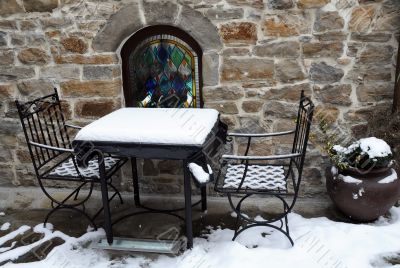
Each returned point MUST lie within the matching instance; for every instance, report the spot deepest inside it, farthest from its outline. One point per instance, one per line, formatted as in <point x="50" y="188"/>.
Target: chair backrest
<point x="43" y="122"/>
<point x="303" y="124"/>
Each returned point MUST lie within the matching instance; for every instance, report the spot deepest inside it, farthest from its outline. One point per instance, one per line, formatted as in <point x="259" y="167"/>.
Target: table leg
<point x="135" y="181"/>
<point x="188" y="205"/>
<point x="106" y="204"/>
<point x="203" y="190"/>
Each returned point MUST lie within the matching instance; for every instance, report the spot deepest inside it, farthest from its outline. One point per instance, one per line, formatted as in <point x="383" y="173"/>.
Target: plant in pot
<point x="361" y="182"/>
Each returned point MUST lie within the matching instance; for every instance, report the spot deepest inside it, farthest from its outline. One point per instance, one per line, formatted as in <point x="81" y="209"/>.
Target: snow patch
<point x="5" y="226"/>
<point x="319" y="242"/>
<point x="375" y="147"/>
<point x="349" y="179"/>
<point x="391" y="178"/>
<point x="359" y="194"/>
<point x="198" y="173"/>
<point x="21" y="230"/>
<point x="2" y="214"/>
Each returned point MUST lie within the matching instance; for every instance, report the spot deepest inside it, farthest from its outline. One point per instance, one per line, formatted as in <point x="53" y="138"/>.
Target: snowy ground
<point x="319" y="242"/>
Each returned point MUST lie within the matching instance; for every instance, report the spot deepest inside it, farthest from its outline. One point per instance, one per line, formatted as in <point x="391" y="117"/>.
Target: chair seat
<point x="258" y="177"/>
<point x="67" y="168"/>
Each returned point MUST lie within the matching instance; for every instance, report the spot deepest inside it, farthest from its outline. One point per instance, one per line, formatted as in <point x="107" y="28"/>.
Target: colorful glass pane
<point x="163" y="72"/>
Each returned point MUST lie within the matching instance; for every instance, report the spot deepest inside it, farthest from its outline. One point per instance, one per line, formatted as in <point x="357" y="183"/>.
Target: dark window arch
<point x="161" y="67"/>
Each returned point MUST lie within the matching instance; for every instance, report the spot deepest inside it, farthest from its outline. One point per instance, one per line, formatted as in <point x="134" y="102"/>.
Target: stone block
<point x="6" y="175"/>
<point x="6" y="57"/>
<point x="40" y="5"/>
<point x="239" y="33"/>
<point x="9" y="7"/>
<point x="225" y="13"/>
<point x="150" y="168"/>
<point x="74" y="44"/>
<point x="13" y="73"/>
<point x="322" y="49"/>
<point x="52" y="23"/>
<point x="8" y="25"/>
<point x="279" y="49"/>
<point x="3" y="39"/>
<point x="372" y="54"/>
<point x="324" y="73"/>
<point x="6" y="155"/>
<point x="287" y="24"/>
<point x="170" y="167"/>
<point x="28" y="25"/>
<point x="280" y="109"/>
<point x="375" y="92"/>
<point x="287" y="71"/>
<point x="210" y="69"/>
<point x="76" y="89"/>
<point x="223" y="107"/>
<point x="252" y="3"/>
<point x="6" y="91"/>
<point x="280" y="4"/>
<point x="371" y="37"/>
<point x="17" y="40"/>
<point x="326" y="113"/>
<point x="289" y="93"/>
<point x="33" y="56"/>
<point x="94" y="108"/>
<point x="388" y="17"/>
<point x="312" y="3"/>
<point x="35" y="88"/>
<point x="328" y="21"/>
<point x="160" y="12"/>
<point x="235" y="51"/>
<point x="93" y="72"/>
<point x="60" y="72"/>
<point x="252" y="106"/>
<point x="370" y="73"/>
<point x="361" y="18"/>
<point x="84" y="59"/>
<point x="247" y="69"/>
<point x="222" y="93"/>
<point x="334" y="94"/>
<point x="10" y="127"/>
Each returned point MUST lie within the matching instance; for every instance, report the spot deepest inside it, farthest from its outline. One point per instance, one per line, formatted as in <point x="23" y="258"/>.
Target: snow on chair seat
<point x="258" y="177"/>
<point x="67" y="168"/>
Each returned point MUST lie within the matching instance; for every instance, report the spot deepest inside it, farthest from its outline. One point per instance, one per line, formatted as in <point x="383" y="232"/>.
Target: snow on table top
<point x="152" y="126"/>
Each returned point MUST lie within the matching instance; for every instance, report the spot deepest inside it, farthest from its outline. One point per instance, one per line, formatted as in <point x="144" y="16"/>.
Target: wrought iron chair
<point x="48" y="139"/>
<point x="275" y="175"/>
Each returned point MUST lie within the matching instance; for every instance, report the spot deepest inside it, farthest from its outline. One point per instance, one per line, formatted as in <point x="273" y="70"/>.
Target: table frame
<point x="133" y="151"/>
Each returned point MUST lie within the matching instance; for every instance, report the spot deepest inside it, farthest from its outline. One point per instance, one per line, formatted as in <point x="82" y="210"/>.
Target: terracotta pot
<point x="363" y="197"/>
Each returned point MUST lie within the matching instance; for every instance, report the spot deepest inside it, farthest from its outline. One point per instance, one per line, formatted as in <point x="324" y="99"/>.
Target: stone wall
<point x="258" y="56"/>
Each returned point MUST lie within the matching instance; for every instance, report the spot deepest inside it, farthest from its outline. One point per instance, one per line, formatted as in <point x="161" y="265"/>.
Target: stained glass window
<point x="164" y="73"/>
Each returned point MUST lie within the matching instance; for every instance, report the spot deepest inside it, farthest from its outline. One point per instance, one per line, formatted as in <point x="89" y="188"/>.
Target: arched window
<point x="162" y="68"/>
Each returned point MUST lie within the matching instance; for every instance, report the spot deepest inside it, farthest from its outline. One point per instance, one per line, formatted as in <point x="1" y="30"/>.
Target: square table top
<point x="164" y="126"/>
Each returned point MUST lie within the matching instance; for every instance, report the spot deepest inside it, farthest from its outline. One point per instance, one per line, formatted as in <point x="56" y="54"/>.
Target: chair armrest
<point x="259" y="135"/>
<point x="254" y="157"/>
<point x="73" y="126"/>
<point x="65" y="150"/>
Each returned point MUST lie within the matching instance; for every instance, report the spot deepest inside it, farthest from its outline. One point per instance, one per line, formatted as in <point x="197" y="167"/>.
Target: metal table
<point x="127" y="138"/>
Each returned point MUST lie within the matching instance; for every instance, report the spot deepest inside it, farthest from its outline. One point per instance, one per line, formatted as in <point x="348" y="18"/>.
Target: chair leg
<point x="253" y="223"/>
<point x="135" y="182"/>
<point x="62" y="205"/>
